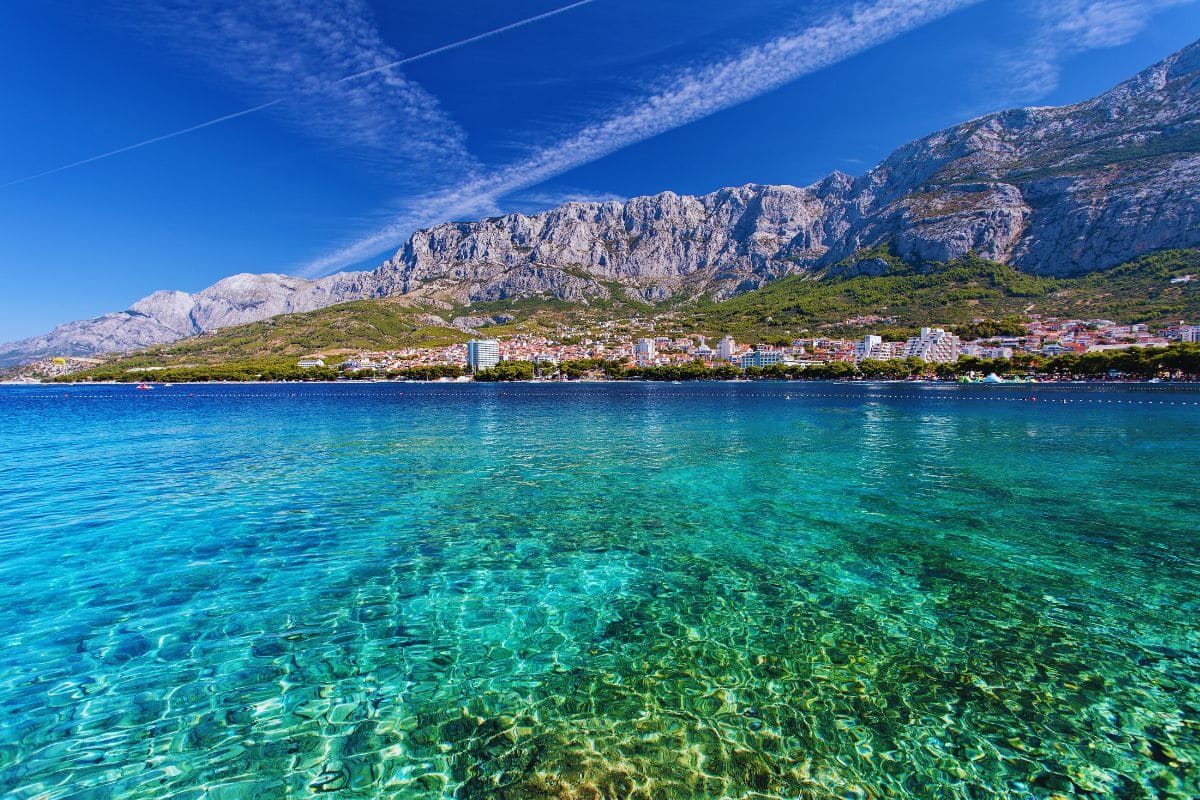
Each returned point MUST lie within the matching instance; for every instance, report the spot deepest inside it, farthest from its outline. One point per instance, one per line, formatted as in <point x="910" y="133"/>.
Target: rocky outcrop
<point x="650" y="248"/>
<point x="166" y="316"/>
<point x="470" y="323"/>
<point x="1054" y="191"/>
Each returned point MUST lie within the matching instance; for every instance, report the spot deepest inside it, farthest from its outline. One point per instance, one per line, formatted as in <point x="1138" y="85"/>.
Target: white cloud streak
<point x="299" y="50"/>
<point x="244" y="39"/>
<point x="1066" y="28"/>
<point x="684" y="97"/>
<point x="296" y="51"/>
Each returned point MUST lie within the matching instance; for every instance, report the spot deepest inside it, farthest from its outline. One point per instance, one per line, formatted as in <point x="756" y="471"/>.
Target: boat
<point x="145" y="387"/>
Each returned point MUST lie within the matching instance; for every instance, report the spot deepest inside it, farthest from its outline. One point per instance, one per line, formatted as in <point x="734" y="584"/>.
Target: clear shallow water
<point x="599" y="591"/>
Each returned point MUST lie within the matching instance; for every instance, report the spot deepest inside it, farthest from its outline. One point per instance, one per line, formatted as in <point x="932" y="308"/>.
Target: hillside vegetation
<point x="955" y="293"/>
<point x="347" y="327"/>
<point x="874" y="291"/>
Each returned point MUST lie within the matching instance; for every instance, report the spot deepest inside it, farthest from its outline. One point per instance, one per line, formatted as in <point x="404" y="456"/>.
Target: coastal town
<point x="1048" y="337"/>
<point x="612" y="344"/>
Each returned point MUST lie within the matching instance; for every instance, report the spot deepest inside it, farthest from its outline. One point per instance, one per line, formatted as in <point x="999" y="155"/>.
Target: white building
<point x="309" y="363"/>
<point x="482" y="354"/>
<point x="725" y="348"/>
<point x="985" y="351"/>
<point x="875" y="348"/>
<point x="761" y="358"/>
<point x="1189" y="333"/>
<point x="356" y="364"/>
<point x="934" y="345"/>
<point x="645" y="351"/>
<point x="863" y="349"/>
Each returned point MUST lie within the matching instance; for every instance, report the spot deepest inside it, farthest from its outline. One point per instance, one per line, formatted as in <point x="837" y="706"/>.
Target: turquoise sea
<point x="600" y="591"/>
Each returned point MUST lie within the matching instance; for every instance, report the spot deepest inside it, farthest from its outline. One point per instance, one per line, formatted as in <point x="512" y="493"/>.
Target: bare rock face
<point x="472" y="322"/>
<point x="1054" y="191"/>
<point x="166" y="316"/>
<point x="119" y="332"/>
<point x="652" y="247"/>
<point x="172" y="310"/>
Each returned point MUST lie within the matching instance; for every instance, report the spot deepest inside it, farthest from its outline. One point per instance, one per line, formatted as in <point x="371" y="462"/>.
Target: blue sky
<point x="606" y="99"/>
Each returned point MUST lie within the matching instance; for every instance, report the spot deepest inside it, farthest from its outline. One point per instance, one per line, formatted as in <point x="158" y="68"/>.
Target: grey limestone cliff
<point x="1053" y="191"/>
<point x="166" y="316"/>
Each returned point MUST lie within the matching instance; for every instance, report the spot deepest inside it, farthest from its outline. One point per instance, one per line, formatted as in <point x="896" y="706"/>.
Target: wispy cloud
<point x="358" y="76"/>
<point x="1066" y="28"/>
<point x="302" y="50"/>
<point x="682" y="97"/>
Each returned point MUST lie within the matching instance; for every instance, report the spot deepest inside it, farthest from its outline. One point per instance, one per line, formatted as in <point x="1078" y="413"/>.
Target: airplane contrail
<point x="408" y="60"/>
<point x="471" y="40"/>
<point x="127" y="148"/>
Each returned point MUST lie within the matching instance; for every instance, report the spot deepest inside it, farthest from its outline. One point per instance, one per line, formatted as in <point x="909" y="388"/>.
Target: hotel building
<point x="482" y="354"/>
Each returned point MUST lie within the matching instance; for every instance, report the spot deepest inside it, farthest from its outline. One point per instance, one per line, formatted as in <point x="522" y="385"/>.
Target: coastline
<point x="592" y="381"/>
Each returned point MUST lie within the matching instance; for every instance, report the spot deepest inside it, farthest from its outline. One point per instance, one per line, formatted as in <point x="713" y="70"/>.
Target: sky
<point x="166" y="144"/>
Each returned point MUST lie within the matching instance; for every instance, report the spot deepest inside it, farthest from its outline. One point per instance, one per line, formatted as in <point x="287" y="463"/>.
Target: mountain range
<point x="1051" y="191"/>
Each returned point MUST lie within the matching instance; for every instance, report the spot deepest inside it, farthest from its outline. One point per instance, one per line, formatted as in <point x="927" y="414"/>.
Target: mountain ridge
<point x="1051" y="190"/>
<point x="874" y="293"/>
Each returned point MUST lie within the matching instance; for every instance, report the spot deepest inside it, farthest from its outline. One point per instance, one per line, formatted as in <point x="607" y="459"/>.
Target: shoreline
<point x="767" y="381"/>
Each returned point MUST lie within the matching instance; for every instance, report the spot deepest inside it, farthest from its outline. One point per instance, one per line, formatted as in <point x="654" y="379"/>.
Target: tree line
<point x="1178" y="361"/>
